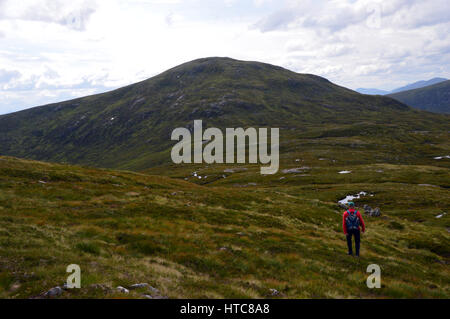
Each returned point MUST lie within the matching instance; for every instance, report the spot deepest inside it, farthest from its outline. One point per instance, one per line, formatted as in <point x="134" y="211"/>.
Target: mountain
<point x="418" y="85"/>
<point x="371" y="91"/>
<point x="433" y="98"/>
<point x="130" y="128"/>
<point x="411" y="86"/>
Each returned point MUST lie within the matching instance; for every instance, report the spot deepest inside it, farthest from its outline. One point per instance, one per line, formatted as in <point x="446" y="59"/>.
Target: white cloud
<point x="46" y="55"/>
<point x="73" y="14"/>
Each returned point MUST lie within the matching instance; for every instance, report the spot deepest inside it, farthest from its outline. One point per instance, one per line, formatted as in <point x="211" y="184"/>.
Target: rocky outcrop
<point x="373" y="212"/>
<point x="134" y="291"/>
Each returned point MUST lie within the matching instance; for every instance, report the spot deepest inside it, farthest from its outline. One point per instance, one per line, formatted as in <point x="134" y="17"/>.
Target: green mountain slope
<point x="130" y="127"/>
<point x="433" y="98"/>
<point x="419" y="84"/>
<point x="221" y="239"/>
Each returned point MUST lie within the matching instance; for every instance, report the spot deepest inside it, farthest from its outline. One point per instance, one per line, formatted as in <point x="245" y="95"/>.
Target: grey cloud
<point x="169" y="19"/>
<point x="7" y="76"/>
<point x="312" y="14"/>
<point x="49" y="80"/>
<point x="35" y="90"/>
<point x="275" y="21"/>
<point x="70" y="14"/>
<point x="78" y="19"/>
<point x="424" y="13"/>
<point x="320" y="14"/>
<point x="16" y="101"/>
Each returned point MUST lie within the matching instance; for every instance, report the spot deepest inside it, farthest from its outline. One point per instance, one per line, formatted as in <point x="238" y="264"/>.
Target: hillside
<point x="418" y="85"/>
<point x="130" y="128"/>
<point x="434" y="98"/>
<point x="411" y="86"/>
<point x="274" y="238"/>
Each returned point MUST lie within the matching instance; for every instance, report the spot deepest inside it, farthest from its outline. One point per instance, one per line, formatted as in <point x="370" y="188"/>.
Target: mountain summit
<point x="130" y="127"/>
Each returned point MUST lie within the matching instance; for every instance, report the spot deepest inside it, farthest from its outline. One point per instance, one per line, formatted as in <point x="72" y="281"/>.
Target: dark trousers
<point x="356" y="234"/>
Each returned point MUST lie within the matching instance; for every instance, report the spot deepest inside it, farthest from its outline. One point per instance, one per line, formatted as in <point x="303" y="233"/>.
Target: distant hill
<point x="372" y="91"/>
<point x="130" y="128"/>
<point x="433" y="98"/>
<point x="411" y="86"/>
<point x="418" y="85"/>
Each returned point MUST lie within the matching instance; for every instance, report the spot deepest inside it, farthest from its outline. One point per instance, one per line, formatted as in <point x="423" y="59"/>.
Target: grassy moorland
<point x="236" y="236"/>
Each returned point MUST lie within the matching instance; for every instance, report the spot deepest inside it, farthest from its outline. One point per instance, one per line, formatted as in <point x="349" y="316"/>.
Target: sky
<point x="55" y="50"/>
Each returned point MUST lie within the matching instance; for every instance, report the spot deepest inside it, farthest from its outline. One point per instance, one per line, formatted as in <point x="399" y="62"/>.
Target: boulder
<point x="372" y="212"/>
<point x="367" y="209"/>
<point x="122" y="289"/>
<point x="153" y="290"/>
<point x="274" y="292"/>
<point x="54" y="292"/>
<point x="138" y="286"/>
<point x="375" y="212"/>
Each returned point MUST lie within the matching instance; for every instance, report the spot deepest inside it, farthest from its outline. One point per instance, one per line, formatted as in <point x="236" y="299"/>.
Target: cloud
<point x="333" y="16"/>
<point x="19" y="92"/>
<point x="276" y="21"/>
<point x="6" y="76"/>
<point x="74" y="14"/>
<point x="340" y="14"/>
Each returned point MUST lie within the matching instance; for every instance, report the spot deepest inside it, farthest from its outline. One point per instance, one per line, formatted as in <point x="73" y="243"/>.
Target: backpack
<point x="352" y="220"/>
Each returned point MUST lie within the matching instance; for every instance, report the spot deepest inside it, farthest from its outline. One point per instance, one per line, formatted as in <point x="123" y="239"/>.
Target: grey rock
<point x="160" y="297"/>
<point x="138" y="286"/>
<point x="122" y="289"/>
<point x="274" y="292"/>
<point x="54" y="292"/>
<point x="153" y="290"/>
<point x="295" y="170"/>
<point x="375" y="212"/>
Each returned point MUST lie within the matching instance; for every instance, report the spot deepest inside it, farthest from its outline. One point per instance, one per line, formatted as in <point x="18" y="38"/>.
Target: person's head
<point x="351" y="204"/>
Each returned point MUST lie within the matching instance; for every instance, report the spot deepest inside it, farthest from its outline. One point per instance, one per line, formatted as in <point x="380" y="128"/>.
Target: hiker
<point x="351" y="222"/>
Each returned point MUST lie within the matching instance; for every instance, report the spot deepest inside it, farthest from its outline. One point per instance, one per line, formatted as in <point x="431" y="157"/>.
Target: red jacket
<point x="358" y="214"/>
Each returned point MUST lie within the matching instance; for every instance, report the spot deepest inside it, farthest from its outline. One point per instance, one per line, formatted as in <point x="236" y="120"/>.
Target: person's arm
<point x="361" y="220"/>
<point x="344" y="226"/>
